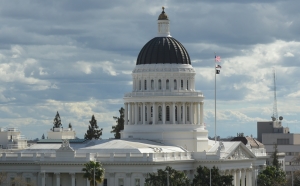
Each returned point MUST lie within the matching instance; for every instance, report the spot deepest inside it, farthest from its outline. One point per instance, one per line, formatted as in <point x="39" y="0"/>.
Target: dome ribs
<point x="163" y="50"/>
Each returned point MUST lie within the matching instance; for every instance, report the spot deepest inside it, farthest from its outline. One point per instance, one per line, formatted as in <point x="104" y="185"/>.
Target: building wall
<point x="264" y="127"/>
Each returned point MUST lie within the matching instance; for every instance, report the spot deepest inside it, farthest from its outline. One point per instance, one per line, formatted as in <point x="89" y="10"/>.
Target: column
<point x="72" y="179"/>
<point x="126" y="113"/>
<point x="183" y="113"/>
<point x="243" y="174"/>
<point x="154" y="114"/>
<point x="233" y="173"/>
<point x="179" y="113"/>
<point x="57" y="175"/>
<point x="43" y="178"/>
<point x="87" y="182"/>
<point x="249" y="177"/>
<point x="128" y="176"/>
<point x="201" y="113"/>
<point x="173" y="113"/>
<point x="198" y="114"/>
<point x="111" y="180"/>
<point x="192" y="113"/>
<point x="136" y="113"/>
<point x="237" y="181"/>
<point x="144" y="114"/>
<point x="130" y="114"/>
<point x="164" y="113"/>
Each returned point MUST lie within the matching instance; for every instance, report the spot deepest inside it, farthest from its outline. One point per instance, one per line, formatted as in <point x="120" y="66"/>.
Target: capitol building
<point x="164" y="126"/>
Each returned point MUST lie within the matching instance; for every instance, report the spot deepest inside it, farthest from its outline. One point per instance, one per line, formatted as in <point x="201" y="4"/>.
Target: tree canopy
<point x="120" y="124"/>
<point x="176" y="178"/>
<point x="93" y="131"/>
<point x="275" y="161"/>
<point x="57" y="121"/>
<point x="202" y="177"/>
<point x="93" y="168"/>
<point x="271" y="176"/>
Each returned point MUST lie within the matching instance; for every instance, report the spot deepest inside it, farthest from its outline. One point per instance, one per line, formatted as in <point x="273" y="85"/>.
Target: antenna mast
<point x="275" y="114"/>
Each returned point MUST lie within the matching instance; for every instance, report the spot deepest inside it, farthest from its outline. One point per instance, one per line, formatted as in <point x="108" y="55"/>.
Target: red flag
<point x="217" y="59"/>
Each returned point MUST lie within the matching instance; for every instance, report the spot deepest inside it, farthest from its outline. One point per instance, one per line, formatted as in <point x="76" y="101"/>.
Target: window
<point x="145" y="113"/>
<point x="181" y="84"/>
<point x="12" y="181"/>
<point x="188" y="113"/>
<point x="105" y="182"/>
<point x="137" y="182"/>
<point x="175" y="84"/>
<point x="121" y="182"/>
<point x="187" y="84"/>
<point x="159" y="84"/>
<point x="283" y="141"/>
<point x="28" y="181"/>
<point x="175" y="113"/>
<point x="168" y="113"/>
<point x="181" y="113"/>
<point x="152" y="84"/>
<point x="145" y="84"/>
<point x="140" y="85"/>
<point x="159" y="113"/>
<point x="167" y="84"/>
<point x="140" y="114"/>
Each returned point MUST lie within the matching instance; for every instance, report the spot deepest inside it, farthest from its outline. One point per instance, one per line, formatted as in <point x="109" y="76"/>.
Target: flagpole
<point x="215" y="100"/>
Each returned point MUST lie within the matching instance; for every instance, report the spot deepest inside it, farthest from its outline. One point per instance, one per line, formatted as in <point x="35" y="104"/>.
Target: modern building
<point x="271" y="133"/>
<point x="164" y="126"/>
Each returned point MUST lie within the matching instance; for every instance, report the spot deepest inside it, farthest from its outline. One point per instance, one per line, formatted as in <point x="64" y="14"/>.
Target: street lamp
<point x="168" y="183"/>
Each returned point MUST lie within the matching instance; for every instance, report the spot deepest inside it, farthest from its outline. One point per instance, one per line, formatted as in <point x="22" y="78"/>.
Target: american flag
<point x="217" y="59"/>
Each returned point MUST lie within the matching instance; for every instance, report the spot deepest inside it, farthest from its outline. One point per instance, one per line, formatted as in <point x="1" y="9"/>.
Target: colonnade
<point x="163" y="113"/>
<point x="242" y="177"/>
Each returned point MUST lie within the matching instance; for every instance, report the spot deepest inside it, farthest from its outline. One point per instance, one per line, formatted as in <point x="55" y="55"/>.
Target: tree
<point x="120" y="124"/>
<point x="43" y="136"/>
<point x="70" y="126"/>
<point x="275" y="161"/>
<point x="93" y="132"/>
<point x="202" y="177"/>
<point x="271" y="176"/>
<point x="94" y="169"/>
<point x="57" y="121"/>
<point x="176" y="178"/>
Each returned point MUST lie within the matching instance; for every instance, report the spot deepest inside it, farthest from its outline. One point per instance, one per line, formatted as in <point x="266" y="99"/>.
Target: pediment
<point x="239" y="153"/>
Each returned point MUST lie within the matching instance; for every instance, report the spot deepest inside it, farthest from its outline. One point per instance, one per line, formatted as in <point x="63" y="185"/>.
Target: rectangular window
<point x="140" y="114"/>
<point x="137" y="182"/>
<point x="145" y="113"/>
<point x="121" y="182"/>
<point x="187" y="84"/>
<point x="140" y="85"/>
<point x="145" y="84"/>
<point x="188" y="113"/>
<point x="28" y="181"/>
<point x="105" y="182"/>
<point x="283" y="141"/>
<point x="181" y="84"/>
<point x="12" y="181"/>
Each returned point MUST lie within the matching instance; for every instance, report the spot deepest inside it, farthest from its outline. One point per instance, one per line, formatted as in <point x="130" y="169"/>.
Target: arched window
<point x="187" y="113"/>
<point x="187" y="84"/>
<point x="145" y="84"/>
<point x="140" y="114"/>
<point x="175" y="84"/>
<point x="152" y="84"/>
<point x="159" y="113"/>
<point x="175" y="113"/>
<point x="145" y="113"/>
<point x="181" y="84"/>
<point x="167" y="84"/>
<point x="140" y="85"/>
<point x="168" y="113"/>
<point x="159" y="84"/>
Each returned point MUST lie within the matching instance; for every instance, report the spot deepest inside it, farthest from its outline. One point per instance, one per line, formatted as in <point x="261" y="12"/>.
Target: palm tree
<point x="93" y="170"/>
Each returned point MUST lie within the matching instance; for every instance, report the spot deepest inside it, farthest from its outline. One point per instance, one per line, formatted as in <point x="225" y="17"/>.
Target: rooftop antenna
<point x="275" y="114"/>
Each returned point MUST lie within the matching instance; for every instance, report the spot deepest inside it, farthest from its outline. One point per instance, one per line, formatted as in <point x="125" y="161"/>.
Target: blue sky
<point x="76" y="57"/>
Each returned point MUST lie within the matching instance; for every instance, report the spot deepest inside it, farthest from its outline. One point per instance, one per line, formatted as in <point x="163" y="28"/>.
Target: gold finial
<point x="163" y="9"/>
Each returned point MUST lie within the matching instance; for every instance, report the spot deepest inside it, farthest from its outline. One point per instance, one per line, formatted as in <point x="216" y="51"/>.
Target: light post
<point x="210" y="176"/>
<point x="168" y="183"/>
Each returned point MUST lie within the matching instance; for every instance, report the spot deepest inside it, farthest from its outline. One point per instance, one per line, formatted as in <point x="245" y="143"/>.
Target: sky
<point x="76" y="57"/>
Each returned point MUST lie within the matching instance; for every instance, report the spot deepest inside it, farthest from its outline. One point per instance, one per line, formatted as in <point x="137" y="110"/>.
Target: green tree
<point x="93" y="132"/>
<point x="94" y="169"/>
<point x="70" y="126"/>
<point x="271" y="176"/>
<point x="120" y="124"/>
<point x="202" y="177"/>
<point x="176" y="178"/>
<point x="43" y="136"/>
<point x="275" y="161"/>
<point x="57" y="121"/>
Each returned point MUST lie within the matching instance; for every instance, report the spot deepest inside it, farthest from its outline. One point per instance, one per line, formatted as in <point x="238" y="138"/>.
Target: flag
<point x="217" y="71"/>
<point x="218" y="66"/>
<point x="217" y="59"/>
